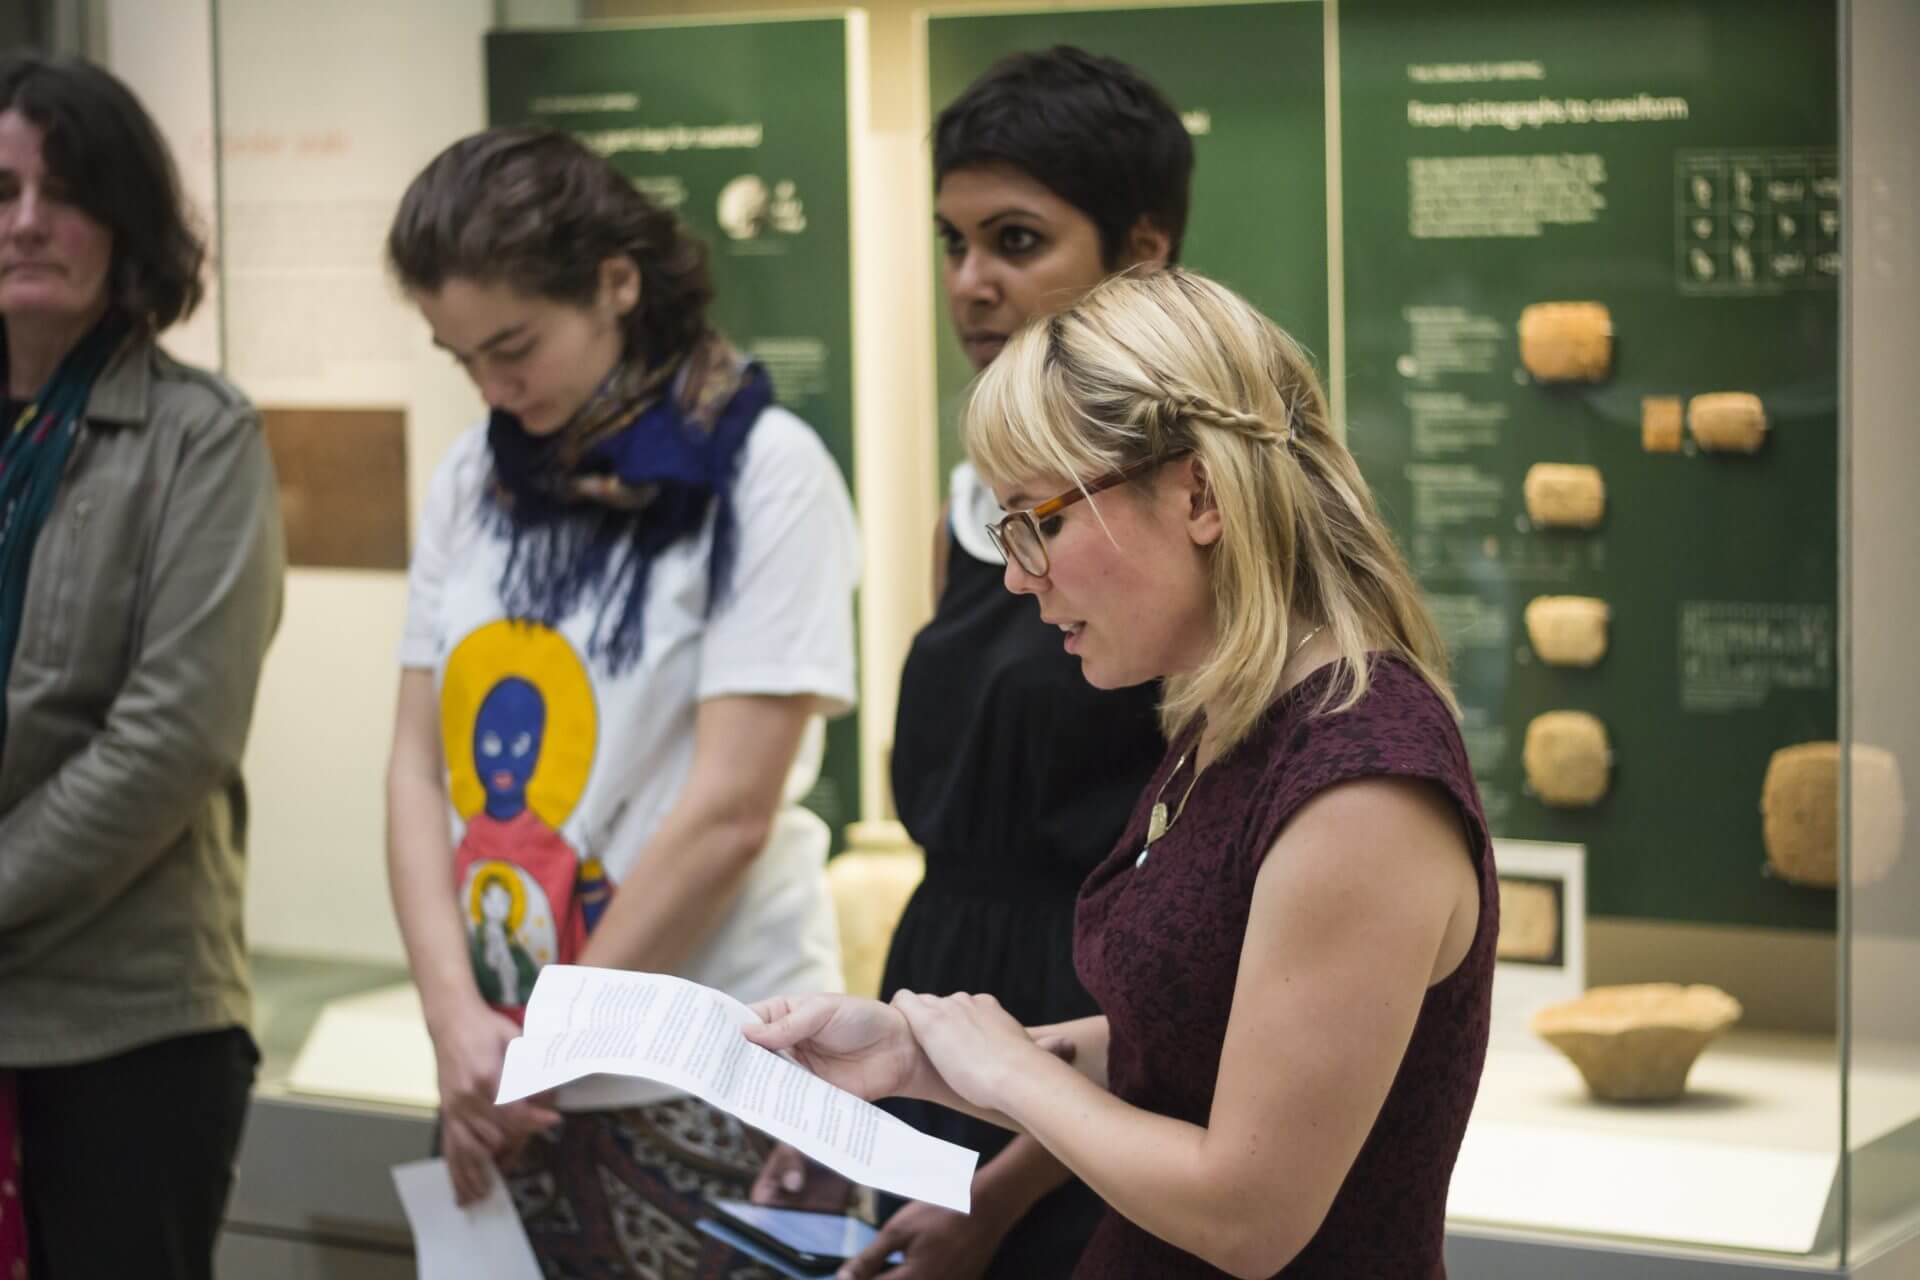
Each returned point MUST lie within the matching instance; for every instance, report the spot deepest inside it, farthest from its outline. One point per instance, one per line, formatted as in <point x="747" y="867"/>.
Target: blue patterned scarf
<point x="33" y="457"/>
<point x="587" y="509"/>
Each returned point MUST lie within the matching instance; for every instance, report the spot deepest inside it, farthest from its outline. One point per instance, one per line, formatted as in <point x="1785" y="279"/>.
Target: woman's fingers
<point x="787" y="1023"/>
<point x="918" y="1010"/>
<point x="772" y="1009"/>
<point x="872" y="1260"/>
<point x="519" y="1122"/>
<point x="1061" y="1047"/>
<point x="468" y="1163"/>
<point x="483" y="1129"/>
<point x="782" y="1177"/>
<point x="539" y="1111"/>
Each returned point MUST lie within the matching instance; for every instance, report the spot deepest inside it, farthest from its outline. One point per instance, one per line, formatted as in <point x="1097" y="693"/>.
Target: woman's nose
<point x="495" y="388"/>
<point x="1017" y="580"/>
<point x="28" y="213"/>
<point x="974" y="277"/>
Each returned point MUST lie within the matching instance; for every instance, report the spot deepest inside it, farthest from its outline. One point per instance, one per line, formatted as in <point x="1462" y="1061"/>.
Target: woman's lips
<point x="983" y="347"/>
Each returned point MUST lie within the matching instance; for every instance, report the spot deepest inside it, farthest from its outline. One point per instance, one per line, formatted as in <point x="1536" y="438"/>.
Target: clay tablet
<point x="1568" y="631"/>
<point x="1727" y="422"/>
<point x="1800" y="813"/>
<point x="1661" y="424"/>
<point x="1529" y="921"/>
<point x="1567" y="758"/>
<point x="1564" y="495"/>
<point x="1566" y="341"/>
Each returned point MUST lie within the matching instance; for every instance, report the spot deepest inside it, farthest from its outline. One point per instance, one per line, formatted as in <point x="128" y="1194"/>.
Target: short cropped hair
<point x="1091" y="129"/>
<point x="539" y="211"/>
<point x="101" y="143"/>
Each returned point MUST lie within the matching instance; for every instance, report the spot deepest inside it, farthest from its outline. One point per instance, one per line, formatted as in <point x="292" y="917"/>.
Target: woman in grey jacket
<point x="140" y="579"/>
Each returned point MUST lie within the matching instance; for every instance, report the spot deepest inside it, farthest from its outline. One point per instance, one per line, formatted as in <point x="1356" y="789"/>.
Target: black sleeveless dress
<point x="1015" y="776"/>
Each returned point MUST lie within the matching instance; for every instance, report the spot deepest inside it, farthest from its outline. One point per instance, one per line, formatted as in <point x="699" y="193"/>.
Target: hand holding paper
<point x="862" y="1046"/>
<point x="583" y="1021"/>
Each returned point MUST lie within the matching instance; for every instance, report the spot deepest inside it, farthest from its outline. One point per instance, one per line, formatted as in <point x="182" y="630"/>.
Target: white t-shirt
<point x="591" y="761"/>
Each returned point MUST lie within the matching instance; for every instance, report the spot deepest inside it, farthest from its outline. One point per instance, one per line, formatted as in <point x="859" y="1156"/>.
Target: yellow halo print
<point x="528" y="923"/>
<point x="485" y="876"/>
<point x="544" y="659"/>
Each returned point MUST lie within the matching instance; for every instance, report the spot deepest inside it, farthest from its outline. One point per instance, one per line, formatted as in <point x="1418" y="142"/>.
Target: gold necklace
<point x="1159" y="822"/>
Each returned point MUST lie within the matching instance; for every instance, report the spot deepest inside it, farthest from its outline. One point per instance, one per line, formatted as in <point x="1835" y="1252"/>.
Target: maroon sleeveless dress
<point x="1158" y="946"/>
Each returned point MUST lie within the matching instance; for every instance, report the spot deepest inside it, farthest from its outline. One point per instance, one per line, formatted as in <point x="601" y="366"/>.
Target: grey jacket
<point x="154" y="589"/>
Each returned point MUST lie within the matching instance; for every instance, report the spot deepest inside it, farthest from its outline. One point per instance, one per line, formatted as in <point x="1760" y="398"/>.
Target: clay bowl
<point x="1637" y="1043"/>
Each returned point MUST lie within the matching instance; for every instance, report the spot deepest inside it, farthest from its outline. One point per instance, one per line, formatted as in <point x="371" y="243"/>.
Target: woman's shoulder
<point x="1396" y="690"/>
<point x="783" y="454"/>
<point x="460" y="476"/>
<point x="1401" y="727"/>
<point x="782" y="437"/>
<point x="466" y="461"/>
<point x="1399" y="724"/>
<point x="187" y="395"/>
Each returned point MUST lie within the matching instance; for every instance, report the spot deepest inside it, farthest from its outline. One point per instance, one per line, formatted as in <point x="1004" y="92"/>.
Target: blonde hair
<point x="1157" y="363"/>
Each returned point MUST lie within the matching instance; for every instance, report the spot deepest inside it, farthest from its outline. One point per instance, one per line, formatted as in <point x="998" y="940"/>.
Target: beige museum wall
<point x="325" y="112"/>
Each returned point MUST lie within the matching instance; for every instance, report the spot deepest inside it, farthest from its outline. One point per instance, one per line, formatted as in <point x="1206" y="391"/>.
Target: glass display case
<point x="1579" y="277"/>
<point x="1616" y="305"/>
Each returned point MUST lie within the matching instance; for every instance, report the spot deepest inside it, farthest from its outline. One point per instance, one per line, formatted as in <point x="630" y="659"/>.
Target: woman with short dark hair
<point x="140" y="579"/>
<point x="629" y="604"/>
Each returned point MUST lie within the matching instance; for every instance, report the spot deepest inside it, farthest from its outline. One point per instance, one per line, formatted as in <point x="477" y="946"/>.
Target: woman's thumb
<point x="785" y="1024"/>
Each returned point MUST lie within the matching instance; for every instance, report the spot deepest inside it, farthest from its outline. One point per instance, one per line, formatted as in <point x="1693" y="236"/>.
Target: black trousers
<point x="126" y="1163"/>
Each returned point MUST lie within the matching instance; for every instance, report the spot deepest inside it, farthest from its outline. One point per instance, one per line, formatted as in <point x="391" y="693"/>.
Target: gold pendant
<point x="1157" y="823"/>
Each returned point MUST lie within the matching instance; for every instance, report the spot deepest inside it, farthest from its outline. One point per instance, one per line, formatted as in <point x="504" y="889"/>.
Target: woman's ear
<point x="1203" y="513"/>
<point x="620" y="284"/>
<point x="1147" y="245"/>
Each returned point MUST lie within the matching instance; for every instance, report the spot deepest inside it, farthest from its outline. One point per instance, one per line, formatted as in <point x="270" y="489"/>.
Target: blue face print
<point x="506" y="744"/>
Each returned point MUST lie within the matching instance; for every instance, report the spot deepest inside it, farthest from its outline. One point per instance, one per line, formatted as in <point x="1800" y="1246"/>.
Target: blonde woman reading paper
<point x="1053" y="170"/>
<point x="1292" y="944"/>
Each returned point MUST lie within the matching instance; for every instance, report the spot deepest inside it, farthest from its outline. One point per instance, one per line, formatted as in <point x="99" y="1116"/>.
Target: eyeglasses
<point x="1019" y="536"/>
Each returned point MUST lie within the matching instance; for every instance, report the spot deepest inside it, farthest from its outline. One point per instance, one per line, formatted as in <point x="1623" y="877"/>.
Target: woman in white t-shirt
<point x="630" y="604"/>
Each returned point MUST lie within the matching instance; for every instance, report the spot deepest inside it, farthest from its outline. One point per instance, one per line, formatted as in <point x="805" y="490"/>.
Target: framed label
<point x="1542" y="952"/>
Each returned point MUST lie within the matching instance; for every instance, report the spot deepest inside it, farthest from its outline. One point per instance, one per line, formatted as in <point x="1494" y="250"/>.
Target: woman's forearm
<point x="420" y="856"/>
<point x="691" y="869"/>
<point x="1089" y="1058"/>
<point x="1008" y="1186"/>
<point x="1168" y="1177"/>
<point x="420" y="878"/>
<point x="1088" y="1036"/>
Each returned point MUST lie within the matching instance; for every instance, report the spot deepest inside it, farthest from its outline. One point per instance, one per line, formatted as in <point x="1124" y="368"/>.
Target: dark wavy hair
<point x="537" y="210"/>
<point x="1090" y="129"/>
<point x="100" y="142"/>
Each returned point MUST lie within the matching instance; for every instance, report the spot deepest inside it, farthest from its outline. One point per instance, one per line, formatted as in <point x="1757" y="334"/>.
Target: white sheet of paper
<point x="483" y="1241"/>
<point x="581" y="1021"/>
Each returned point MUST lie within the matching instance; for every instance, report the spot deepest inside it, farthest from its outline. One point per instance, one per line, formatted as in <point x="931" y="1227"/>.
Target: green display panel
<point x="1676" y="161"/>
<point x="1250" y="81"/>
<point x="742" y="128"/>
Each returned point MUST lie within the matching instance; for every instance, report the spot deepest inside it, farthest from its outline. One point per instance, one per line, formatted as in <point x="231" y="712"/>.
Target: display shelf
<point x="1747" y="1159"/>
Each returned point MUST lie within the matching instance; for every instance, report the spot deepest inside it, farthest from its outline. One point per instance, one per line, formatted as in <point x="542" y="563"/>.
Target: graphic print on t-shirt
<point x="519" y="730"/>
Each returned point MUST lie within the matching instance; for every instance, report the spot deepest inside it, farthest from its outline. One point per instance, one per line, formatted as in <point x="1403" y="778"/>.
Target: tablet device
<point x="820" y="1241"/>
